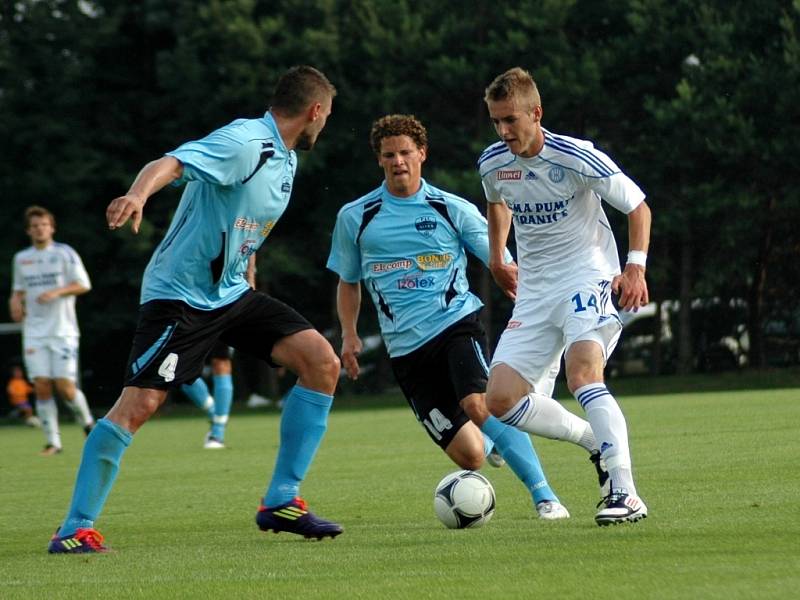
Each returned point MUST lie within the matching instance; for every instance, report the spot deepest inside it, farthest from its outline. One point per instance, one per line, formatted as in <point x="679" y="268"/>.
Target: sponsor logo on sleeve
<point x="513" y="324"/>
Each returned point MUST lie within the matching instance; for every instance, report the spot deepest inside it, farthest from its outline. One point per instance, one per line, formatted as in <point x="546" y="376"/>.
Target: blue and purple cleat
<point x="83" y="541"/>
<point x="294" y="517"/>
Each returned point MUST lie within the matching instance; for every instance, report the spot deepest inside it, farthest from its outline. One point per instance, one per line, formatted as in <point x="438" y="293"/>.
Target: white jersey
<point x="37" y="271"/>
<point x="561" y="231"/>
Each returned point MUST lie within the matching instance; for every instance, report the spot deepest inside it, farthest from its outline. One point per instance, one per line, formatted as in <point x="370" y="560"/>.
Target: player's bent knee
<point x="471" y="462"/>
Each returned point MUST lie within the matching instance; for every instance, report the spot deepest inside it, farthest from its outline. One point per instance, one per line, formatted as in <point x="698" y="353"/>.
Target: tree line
<point x="697" y="100"/>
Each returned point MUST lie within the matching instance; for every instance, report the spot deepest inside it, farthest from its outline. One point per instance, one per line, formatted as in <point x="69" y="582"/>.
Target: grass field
<point x="718" y="470"/>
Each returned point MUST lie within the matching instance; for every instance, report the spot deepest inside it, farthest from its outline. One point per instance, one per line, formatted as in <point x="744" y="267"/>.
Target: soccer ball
<point x="464" y="499"/>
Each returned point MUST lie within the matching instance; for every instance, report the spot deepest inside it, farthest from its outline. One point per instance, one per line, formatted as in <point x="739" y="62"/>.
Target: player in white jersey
<point x="550" y="186"/>
<point x="47" y="277"/>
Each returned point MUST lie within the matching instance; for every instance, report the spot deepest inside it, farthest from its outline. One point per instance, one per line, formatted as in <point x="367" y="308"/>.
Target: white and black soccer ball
<point x="464" y="499"/>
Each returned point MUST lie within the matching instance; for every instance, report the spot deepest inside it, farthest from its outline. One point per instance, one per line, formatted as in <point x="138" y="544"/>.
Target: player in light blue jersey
<point x="407" y="240"/>
<point x="194" y="293"/>
<point x="551" y="186"/>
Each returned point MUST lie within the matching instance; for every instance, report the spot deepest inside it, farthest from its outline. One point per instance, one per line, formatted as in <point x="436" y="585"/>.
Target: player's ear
<point x="537" y="113"/>
<point x="423" y="153"/>
<point x="314" y="111"/>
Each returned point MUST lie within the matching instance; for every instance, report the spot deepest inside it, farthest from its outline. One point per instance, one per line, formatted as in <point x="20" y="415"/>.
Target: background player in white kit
<point x="550" y="186"/>
<point x="47" y="277"/>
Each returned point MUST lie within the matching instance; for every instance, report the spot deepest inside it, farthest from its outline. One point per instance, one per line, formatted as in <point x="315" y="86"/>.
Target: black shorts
<point x="221" y="350"/>
<point x="438" y="375"/>
<point x="173" y="339"/>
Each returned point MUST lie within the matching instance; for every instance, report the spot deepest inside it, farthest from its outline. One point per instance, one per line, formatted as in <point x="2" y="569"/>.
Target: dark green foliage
<point x="697" y="101"/>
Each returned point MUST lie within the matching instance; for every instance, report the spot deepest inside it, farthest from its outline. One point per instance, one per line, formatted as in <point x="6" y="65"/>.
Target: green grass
<point x="717" y="470"/>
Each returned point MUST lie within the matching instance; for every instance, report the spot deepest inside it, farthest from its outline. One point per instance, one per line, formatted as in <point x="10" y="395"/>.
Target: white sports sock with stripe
<point x="611" y="431"/>
<point x="541" y="415"/>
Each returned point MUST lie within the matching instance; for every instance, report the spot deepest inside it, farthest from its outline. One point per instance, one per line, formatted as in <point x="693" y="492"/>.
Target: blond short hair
<point x="516" y="85"/>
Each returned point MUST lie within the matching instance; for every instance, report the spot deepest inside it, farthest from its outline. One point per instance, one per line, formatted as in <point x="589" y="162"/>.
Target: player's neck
<point x="290" y="129"/>
<point x="536" y="145"/>
<point x="405" y="191"/>
<point x="42" y="245"/>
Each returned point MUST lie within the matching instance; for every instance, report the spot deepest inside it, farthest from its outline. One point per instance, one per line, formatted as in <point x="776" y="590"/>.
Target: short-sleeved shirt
<point x="238" y="183"/>
<point x="40" y="270"/>
<point x="561" y="230"/>
<point x="410" y="253"/>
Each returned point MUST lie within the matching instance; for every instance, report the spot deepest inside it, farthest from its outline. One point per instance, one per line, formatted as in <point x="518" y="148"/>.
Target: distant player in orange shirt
<point x="19" y="392"/>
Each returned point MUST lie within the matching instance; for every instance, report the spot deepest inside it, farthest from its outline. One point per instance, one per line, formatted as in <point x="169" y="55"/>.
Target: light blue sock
<point x="516" y="447"/>
<point x="488" y="444"/>
<point x="303" y="423"/>
<point x="223" y="397"/>
<point x="99" y="465"/>
<point x="197" y="392"/>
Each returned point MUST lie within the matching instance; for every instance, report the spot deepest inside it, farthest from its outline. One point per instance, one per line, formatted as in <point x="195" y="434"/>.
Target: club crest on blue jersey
<point x="425" y="225"/>
<point x="556" y="174"/>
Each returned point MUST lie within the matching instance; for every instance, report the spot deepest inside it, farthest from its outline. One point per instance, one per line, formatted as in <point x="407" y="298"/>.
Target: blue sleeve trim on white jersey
<point x="500" y="166"/>
<point x="492" y="148"/>
<point x="583" y="154"/>
<point x="489" y="153"/>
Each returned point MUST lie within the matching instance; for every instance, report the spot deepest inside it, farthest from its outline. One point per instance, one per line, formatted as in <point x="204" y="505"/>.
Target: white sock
<point x="611" y="430"/>
<point x="541" y="415"/>
<point x="48" y="415"/>
<point x="80" y="408"/>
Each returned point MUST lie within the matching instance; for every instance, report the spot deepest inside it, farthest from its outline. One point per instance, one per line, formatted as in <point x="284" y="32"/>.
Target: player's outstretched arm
<point x="505" y="274"/>
<point x="348" y="304"/>
<point x="153" y="176"/>
<point x="631" y="285"/>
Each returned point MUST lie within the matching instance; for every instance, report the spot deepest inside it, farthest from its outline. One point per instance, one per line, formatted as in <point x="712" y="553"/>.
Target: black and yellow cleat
<point x="294" y="517"/>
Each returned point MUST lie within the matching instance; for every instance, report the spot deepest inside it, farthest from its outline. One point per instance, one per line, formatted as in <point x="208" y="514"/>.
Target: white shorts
<point x="540" y="330"/>
<point x="52" y="357"/>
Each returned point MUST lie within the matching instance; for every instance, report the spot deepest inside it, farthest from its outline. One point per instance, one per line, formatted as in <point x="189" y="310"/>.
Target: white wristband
<point x="637" y="257"/>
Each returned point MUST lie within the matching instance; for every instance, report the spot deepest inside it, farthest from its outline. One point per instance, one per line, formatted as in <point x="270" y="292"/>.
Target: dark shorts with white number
<point x="438" y="375"/>
<point x="173" y="339"/>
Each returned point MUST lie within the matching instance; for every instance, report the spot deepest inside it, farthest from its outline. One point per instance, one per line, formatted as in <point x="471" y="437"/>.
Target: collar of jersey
<point x="420" y="194"/>
<point x="270" y="121"/>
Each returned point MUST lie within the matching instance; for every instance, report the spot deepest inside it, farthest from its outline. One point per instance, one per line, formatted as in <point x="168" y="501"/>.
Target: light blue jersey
<point x="410" y="252"/>
<point x="238" y="182"/>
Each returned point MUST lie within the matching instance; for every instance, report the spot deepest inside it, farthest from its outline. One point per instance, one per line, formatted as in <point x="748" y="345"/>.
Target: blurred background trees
<point x="697" y="100"/>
